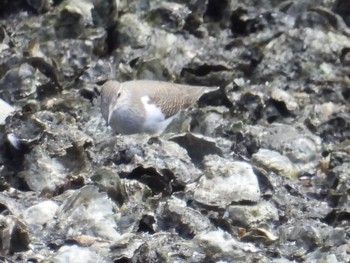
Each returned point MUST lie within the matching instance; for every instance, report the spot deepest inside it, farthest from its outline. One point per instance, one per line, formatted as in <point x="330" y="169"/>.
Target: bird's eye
<point x="118" y="95"/>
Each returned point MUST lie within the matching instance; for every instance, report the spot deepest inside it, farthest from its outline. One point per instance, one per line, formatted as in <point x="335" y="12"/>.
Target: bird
<point x="146" y="106"/>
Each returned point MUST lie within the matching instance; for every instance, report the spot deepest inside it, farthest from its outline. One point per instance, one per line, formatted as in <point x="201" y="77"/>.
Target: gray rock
<point x="225" y="182"/>
<point x="45" y="173"/>
<point x="300" y="147"/>
<point x="86" y="211"/>
<point x="187" y="222"/>
<point x="274" y="161"/>
<point x="286" y="98"/>
<point x="261" y="214"/>
<point x="197" y="146"/>
<point x="14" y="236"/>
<point x="40" y="216"/>
<point x="75" y="254"/>
<point x="220" y="242"/>
<point x="220" y="194"/>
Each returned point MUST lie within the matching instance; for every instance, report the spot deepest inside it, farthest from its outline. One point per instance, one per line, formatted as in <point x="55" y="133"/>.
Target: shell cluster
<point x="255" y="172"/>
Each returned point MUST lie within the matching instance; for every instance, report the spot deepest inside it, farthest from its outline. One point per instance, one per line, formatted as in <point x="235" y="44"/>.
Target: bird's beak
<point x="110" y="112"/>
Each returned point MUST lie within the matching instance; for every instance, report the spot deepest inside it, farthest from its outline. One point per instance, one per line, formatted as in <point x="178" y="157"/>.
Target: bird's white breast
<point x="155" y="120"/>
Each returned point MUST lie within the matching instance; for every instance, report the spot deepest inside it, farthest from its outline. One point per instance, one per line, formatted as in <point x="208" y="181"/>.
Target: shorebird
<point x="146" y="106"/>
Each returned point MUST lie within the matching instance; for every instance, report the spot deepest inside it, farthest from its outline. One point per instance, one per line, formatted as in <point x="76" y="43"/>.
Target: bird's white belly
<point x="125" y="119"/>
<point x="155" y="121"/>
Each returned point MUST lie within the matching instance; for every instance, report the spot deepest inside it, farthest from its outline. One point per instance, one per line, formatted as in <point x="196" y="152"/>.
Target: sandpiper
<point x="146" y="106"/>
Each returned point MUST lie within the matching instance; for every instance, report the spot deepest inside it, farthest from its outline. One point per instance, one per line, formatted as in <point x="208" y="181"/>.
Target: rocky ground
<point x="257" y="172"/>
